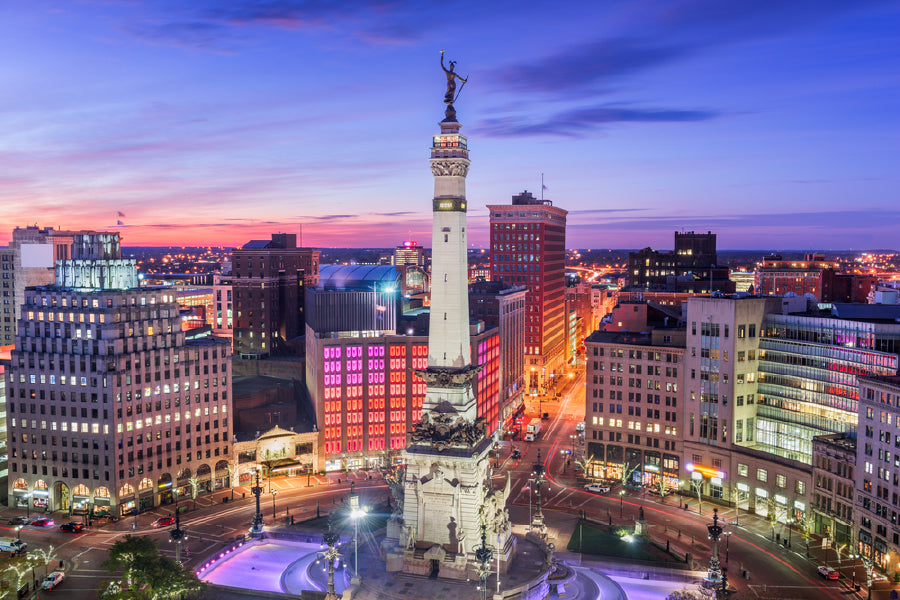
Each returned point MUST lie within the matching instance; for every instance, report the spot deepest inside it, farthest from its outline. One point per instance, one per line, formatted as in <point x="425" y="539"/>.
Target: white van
<point x="12" y="545"/>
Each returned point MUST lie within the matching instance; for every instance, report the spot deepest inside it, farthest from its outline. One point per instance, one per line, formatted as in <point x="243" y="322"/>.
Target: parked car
<point x="72" y="527"/>
<point x="828" y="572"/>
<point x="52" y="580"/>
<point x="516" y="454"/>
<point x="43" y="522"/>
<point x="163" y="521"/>
<point x="596" y="488"/>
<point x="18" y="521"/>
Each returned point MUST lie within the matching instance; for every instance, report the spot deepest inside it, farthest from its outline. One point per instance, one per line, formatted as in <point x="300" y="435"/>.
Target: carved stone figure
<point x="394" y="478"/>
<point x="446" y="430"/>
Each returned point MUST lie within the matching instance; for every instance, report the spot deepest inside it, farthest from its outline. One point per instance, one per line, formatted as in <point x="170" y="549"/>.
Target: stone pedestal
<point x="640" y="529"/>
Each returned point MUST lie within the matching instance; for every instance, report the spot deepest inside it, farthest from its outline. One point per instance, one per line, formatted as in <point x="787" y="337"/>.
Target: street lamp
<point x="273" y="503"/>
<point x="621" y="503"/>
<point x="483" y="555"/>
<point x="257" y="525"/>
<point x="329" y="538"/>
<point x="538" y="519"/>
<point x="790" y="524"/>
<point x="18" y="533"/>
<point x="177" y="535"/>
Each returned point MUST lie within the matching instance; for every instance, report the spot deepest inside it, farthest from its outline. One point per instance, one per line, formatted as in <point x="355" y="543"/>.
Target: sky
<point x="773" y="123"/>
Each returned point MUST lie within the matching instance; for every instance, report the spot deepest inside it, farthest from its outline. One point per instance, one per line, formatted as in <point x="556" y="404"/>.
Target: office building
<point x="834" y="475"/>
<point x="29" y="260"/>
<point x="692" y="267"/>
<point x="409" y="253"/>
<point x="777" y="276"/>
<point x="111" y="409"/>
<point x="362" y="373"/>
<point x="634" y="399"/>
<point x="721" y="443"/>
<point x="809" y="361"/>
<point x="268" y="279"/>
<point x="528" y="243"/>
<point x="502" y="306"/>
<point x="877" y="481"/>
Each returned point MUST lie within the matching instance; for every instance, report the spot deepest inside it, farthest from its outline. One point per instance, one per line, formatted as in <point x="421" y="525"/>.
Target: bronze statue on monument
<point x="451" y="95"/>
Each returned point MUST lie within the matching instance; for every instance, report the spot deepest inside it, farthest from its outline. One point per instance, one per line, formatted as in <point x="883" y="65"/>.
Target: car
<point x="828" y="572"/>
<point x="43" y="522"/>
<point x="596" y="488"/>
<point x="579" y="427"/>
<point x="516" y="453"/>
<point x="52" y="580"/>
<point x="163" y="521"/>
<point x="18" y="521"/>
<point x="72" y="527"/>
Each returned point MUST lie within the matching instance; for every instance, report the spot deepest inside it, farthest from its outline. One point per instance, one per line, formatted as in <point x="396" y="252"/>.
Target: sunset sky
<point x="774" y="123"/>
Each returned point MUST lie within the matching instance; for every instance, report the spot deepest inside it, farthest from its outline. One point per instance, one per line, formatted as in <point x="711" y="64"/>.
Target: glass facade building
<point x="808" y="368"/>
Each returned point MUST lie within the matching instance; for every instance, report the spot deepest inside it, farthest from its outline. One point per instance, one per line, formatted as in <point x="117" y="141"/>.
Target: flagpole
<point x="542" y="187"/>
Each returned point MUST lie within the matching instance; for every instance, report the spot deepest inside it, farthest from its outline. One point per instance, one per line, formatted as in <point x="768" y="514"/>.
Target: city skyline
<point x="773" y="126"/>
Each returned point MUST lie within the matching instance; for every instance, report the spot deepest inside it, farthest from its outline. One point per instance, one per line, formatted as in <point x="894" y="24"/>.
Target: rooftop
<point x="362" y="277"/>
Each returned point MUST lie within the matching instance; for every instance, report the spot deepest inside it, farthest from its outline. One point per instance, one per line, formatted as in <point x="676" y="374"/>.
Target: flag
<point x="543" y="187"/>
<point x="120" y="214"/>
<point x="119" y="223"/>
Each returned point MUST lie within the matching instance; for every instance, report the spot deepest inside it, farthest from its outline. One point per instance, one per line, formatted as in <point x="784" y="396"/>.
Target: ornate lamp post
<point x="257" y="525"/>
<point x="273" y="503"/>
<point x="177" y="535"/>
<point x="483" y="555"/>
<point x="716" y="580"/>
<point x="329" y="539"/>
<point x="537" y="521"/>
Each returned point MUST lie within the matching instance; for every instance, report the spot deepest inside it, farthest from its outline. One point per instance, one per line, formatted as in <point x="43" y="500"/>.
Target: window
<point x="743" y="470"/>
<point x="762" y="475"/>
<point x="800" y="487"/>
<point x="752" y="329"/>
<point x="780" y="481"/>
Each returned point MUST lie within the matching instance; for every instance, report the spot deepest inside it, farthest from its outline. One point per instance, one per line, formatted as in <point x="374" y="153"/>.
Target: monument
<point x="444" y="498"/>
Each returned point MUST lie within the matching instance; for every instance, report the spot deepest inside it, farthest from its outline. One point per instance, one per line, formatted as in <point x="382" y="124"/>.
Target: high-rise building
<point x="268" y="279"/>
<point x="502" y="306"/>
<point x="110" y="407"/>
<point x="7" y="297"/>
<point x="409" y="253"/>
<point x="28" y="261"/>
<point x="528" y="245"/>
<point x="362" y="373"/>
<point x="691" y="267"/>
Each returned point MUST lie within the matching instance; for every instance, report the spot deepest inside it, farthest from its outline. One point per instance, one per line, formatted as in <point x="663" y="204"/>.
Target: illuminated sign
<point x="447" y="204"/>
<point x="705" y="471"/>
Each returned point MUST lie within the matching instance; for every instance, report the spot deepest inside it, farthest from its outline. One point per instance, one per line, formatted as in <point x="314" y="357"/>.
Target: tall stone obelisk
<point x="447" y="492"/>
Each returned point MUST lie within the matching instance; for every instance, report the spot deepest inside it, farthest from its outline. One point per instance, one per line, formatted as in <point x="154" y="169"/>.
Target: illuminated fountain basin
<point x="280" y="566"/>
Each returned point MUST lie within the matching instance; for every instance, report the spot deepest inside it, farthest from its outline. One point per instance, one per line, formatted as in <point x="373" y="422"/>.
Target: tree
<point x="127" y="553"/>
<point x="626" y="472"/>
<point x="663" y="486"/>
<point x="585" y="463"/>
<point x="147" y="575"/>
<point x="195" y="488"/>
